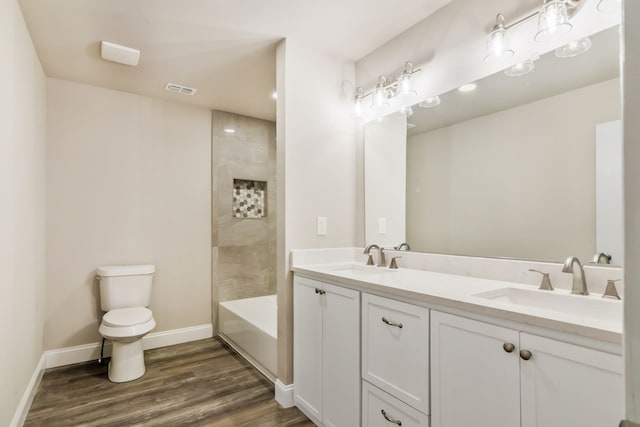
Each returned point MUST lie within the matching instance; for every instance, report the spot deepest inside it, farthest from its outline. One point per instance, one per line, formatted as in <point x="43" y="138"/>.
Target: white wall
<point x="129" y="182"/>
<point x="631" y="135"/>
<point x="316" y="166"/>
<point x="22" y="208"/>
<point x="517" y="183"/>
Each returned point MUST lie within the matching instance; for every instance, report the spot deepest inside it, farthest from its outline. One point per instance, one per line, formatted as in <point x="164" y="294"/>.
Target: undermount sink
<point x="358" y="269"/>
<point x="579" y="305"/>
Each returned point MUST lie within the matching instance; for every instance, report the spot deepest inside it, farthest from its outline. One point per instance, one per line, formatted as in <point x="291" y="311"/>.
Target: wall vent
<point x="172" y="87"/>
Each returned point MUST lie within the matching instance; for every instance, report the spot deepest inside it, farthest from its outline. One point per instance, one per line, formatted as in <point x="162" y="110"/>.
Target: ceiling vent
<point x="172" y="87"/>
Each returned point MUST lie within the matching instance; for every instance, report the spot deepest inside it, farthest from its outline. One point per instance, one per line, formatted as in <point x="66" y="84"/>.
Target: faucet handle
<point x="611" y="291"/>
<point x="382" y="261"/>
<point x="545" y="285"/>
<point x="393" y="265"/>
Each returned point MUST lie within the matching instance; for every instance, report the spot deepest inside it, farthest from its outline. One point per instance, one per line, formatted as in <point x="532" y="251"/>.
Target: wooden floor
<point x="202" y="383"/>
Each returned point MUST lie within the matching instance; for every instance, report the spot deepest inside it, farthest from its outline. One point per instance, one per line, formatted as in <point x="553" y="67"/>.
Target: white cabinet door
<point x="566" y="385"/>
<point x="395" y="349"/>
<point x="380" y="409"/>
<point x="307" y="346"/>
<point x="341" y="357"/>
<point x="474" y="377"/>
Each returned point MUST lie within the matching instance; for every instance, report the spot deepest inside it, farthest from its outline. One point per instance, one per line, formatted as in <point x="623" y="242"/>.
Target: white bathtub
<point x="250" y="326"/>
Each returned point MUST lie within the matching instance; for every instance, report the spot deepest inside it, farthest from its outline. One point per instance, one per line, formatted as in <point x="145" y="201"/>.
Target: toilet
<point x="125" y="294"/>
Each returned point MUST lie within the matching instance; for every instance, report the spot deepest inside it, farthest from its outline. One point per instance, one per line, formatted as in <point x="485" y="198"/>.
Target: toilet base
<point x="127" y="361"/>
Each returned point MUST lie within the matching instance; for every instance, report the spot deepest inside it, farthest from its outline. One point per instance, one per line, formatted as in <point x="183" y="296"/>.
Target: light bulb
<point x="552" y="18"/>
<point x="497" y="42"/>
<point x="358" y="107"/>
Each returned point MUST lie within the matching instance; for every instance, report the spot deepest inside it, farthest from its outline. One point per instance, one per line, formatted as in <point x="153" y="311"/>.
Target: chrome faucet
<point x="382" y="262"/>
<point x="402" y="245"/>
<point x="601" y="258"/>
<point x="573" y="265"/>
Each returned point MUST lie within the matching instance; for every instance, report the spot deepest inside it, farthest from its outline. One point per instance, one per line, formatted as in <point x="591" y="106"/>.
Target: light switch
<point x="382" y="225"/>
<point x="322" y="226"/>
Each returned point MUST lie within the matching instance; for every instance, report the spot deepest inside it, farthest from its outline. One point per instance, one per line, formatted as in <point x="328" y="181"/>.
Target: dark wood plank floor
<point x="202" y="383"/>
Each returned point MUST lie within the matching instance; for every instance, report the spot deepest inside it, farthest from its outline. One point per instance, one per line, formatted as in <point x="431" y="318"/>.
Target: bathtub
<point x="250" y="326"/>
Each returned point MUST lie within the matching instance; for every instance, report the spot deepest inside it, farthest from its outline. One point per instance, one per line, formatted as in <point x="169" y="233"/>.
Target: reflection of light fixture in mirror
<point x="430" y="102"/>
<point x="406" y="109"/>
<point x="574" y="48"/>
<point x="274" y="95"/>
<point x="552" y="19"/>
<point x="609" y="6"/>
<point x="229" y="130"/>
<point x="497" y="41"/>
<point x="468" y="87"/>
<point x="521" y="68"/>
<point x="357" y="103"/>
<point x="410" y="125"/>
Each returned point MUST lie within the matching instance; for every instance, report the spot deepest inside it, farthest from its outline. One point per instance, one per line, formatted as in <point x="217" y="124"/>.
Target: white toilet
<point x="125" y="294"/>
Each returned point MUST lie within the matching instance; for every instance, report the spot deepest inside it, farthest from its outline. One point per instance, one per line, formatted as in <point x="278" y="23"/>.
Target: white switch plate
<point x="382" y="225"/>
<point x="322" y="226"/>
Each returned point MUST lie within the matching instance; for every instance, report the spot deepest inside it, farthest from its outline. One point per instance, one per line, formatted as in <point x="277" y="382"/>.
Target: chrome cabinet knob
<point x="525" y="354"/>
<point x="508" y="347"/>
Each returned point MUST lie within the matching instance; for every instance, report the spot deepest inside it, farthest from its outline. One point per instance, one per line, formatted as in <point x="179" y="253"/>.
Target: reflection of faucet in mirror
<point x="402" y="245"/>
<point x="579" y="285"/>
<point x="601" y="258"/>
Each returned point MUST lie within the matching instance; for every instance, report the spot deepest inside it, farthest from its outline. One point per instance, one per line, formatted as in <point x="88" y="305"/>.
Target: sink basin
<point x="591" y="306"/>
<point x="357" y="269"/>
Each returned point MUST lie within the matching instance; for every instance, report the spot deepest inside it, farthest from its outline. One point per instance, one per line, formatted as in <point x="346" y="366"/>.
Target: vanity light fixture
<point x="401" y="87"/>
<point x="468" y="87"/>
<point x="406" y="109"/>
<point x="497" y="42"/>
<point x="574" y="48"/>
<point x="609" y="6"/>
<point x="274" y="95"/>
<point x="553" y="18"/>
<point x="430" y="102"/>
<point x="229" y="130"/>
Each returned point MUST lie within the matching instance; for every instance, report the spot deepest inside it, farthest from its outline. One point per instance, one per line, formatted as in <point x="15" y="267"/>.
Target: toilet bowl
<point x="125" y="327"/>
<point x="125" y="292"/>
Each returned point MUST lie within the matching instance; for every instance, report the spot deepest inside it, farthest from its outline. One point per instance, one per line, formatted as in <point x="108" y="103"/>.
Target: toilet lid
<point x="127" y="316"/>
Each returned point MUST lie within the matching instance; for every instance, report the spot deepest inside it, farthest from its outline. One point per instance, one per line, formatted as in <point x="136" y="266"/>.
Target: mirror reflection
<point x="526" y="166"/>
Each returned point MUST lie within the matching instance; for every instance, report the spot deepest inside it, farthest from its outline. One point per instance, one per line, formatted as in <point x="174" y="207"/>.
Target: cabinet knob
<point x="525" y="354"/>
<point x="390" y="419"/>
<point x="390" y="323"/>
<point x="508" y="347"/>
<point x="320" y="291"/>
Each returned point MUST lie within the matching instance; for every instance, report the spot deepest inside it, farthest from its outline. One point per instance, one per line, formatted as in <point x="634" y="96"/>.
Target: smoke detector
<point x="120" y="54"/>
<point x="172" y="87"/>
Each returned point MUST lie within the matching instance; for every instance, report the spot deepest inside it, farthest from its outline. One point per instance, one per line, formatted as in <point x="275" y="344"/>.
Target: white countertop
<point x="602" y="320"/>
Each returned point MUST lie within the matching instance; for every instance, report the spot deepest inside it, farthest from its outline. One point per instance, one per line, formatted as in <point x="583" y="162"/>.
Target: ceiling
<point x="223" y="48"/>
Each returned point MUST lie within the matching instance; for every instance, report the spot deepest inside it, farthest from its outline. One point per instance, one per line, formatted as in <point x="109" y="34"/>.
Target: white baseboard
<point x="87" y="352"/>
<point x="284" y="394"/>
<point x="22" y="410"/>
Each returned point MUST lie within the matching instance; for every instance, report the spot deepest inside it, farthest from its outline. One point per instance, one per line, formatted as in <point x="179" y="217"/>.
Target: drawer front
<point x="380" y="409"/>
<point x="395" y="349"/>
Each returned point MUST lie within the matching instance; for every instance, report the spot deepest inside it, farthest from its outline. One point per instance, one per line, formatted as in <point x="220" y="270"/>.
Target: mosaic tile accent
<point x="249" y="198"/>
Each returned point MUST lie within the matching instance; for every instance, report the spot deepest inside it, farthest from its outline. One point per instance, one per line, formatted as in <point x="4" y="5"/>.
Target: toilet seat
<point x="122" y="317"/>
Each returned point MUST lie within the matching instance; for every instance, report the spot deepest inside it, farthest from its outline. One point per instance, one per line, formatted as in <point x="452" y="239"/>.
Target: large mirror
<point x="526" y="167"/>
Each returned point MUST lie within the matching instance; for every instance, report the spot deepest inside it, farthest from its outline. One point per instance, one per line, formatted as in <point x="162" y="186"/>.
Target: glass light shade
<point x="405" y="84"/>
<point x="552" y="19"/>
<point x="521" y="68"/>
<point x="430" y="102"/>
<point x="357" y="107"/>
<point x="610" y="6"/>
<point x="574" y="48"/>
<point x="498" y="44"/>
<point x="379" y="97"/>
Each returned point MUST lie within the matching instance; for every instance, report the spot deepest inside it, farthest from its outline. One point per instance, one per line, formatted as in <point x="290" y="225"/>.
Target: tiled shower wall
<point x="244" y="249"/>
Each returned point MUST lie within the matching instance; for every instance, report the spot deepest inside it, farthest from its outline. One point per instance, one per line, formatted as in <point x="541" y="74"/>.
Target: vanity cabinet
<point x="326" y="352"/>
<point x="395" y="349"/>
<point x="489" y="376"/>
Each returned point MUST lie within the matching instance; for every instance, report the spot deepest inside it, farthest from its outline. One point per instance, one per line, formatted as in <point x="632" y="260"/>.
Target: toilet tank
<point x="123" y="286"/>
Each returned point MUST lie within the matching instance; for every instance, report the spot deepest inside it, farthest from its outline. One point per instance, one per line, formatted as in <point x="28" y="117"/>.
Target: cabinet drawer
<point x="395" y="349"/>
<point x="380" y="409"/>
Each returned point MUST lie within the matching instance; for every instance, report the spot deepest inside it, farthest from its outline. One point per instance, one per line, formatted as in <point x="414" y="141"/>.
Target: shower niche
<point x="249" y="199"/>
